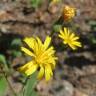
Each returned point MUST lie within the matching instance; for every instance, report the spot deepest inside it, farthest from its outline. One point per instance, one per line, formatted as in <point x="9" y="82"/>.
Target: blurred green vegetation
<point x="36" y="3"/>
<point x="3" y="86"/>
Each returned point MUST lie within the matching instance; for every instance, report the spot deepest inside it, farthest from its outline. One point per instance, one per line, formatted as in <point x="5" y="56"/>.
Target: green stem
<point x="33" y="87"/>
<point x="23" y="89"/>
<point x="5" y="76"/>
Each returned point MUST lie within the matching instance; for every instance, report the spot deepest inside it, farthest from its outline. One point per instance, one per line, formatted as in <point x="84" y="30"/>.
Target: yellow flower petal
<point x="48" y="72"/>
<point x="47" y="42"/>
<point x="25" y="67"/>
<point x="36" y="48"/>
<point x="72" y="36"/>
<point x="31" y="69"/>
<point x="65" y="31"/>
<point x="72" y="46"/>
<point x="27" y="51"/>
<point x="29" y="41"/>
<point x="39" y="43"/>
<point x="53" y="62"/>
<point x="62" y="33"/>
<point x="77" y="44"/>
<point x="49" y="51"/>
<point x="61" y="36"/>
<point x="41" y="73"/>
<point x="75" y="38"/>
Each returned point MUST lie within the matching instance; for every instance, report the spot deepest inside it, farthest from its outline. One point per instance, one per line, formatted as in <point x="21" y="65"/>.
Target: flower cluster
<point x="43" y="55"/>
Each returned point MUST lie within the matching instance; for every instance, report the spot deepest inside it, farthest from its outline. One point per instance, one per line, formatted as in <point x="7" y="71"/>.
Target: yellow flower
<point x="70" y="38"/>
<point x="68" y="13"/>
<point x="43" y="57"/>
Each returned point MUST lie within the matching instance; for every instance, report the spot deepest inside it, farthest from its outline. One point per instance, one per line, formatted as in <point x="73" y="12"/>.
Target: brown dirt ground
<point x="17" y="18"/>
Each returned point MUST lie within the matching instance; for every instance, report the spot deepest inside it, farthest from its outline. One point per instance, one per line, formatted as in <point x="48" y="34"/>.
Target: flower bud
<point x="68" y="13"/>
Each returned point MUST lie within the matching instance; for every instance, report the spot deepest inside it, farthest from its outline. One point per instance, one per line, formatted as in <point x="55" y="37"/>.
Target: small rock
<point x="63" y="88"/>
<point x="79" y="93"/>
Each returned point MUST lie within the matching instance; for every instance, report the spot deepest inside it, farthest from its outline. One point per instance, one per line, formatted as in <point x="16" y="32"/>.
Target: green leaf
<point x="29" y="88"/>
<point x="2" y="59"/>
<point x="92" y="22"/>
<point x="16" y="53"/>
<point x="16" y="41"/>
<point x="3" y="86"/>
<point x="35" y="3"/>
<point x="93" y="40"/>
<point x="57" y="27"/>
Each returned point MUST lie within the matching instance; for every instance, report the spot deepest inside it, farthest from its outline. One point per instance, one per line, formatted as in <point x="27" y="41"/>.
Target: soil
<point x="75" y="74"/>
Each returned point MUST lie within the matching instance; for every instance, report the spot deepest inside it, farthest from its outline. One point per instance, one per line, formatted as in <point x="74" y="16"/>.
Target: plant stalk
<point x="5" y="76"/>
